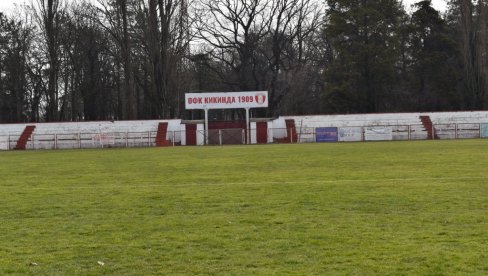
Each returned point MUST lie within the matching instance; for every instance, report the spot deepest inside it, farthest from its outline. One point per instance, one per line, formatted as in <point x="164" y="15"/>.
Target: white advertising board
<point x="350" y="134"/>
<point x="226" y="100"/>
<point x="378" y="133"/>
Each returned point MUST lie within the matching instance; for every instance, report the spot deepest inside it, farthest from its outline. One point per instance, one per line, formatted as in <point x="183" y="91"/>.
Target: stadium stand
<point x="284" y="129"/>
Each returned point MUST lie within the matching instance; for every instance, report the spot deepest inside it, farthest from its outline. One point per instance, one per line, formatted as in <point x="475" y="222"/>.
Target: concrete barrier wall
<point x="90" y="127"/>
<point x="67" y="135"/>
<point x="400" y="122"/>
<point x="3" y="143"/>
<point x="448" y="125"/>
<point x="383" y="119"/>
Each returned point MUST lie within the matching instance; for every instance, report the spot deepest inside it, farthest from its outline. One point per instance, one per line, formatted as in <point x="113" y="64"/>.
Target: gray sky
<point x="7" y="6"/>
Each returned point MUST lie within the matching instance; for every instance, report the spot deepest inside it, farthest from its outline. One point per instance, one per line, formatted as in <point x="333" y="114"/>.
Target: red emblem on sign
<point x="260" y="98"/>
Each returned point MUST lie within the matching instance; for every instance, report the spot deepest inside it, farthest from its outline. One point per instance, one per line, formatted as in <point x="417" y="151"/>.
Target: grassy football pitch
<point x="344" y="208"/>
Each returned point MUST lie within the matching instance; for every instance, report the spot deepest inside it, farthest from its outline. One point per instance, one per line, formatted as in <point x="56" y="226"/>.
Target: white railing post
<point x="220" y="137"/>
<point x="55" y="141"/>
<point x="174" y="138"/>
<point x="8" y="142"/>
<point x="456" y="131"/>
<point x="126" y="139"/>
<point x="149" y="138"/>
<point x="79" y="140"/>
<point x="32" y="141"/>
<point x="433" y="132"/>
<point x="479" y="129"/>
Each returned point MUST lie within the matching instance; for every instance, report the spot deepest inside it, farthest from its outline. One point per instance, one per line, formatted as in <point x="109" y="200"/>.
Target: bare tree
<point x="166" y="37"/>
<point x="261" y="42"/>
<point x="294" y="23"/>
<point x="48" y="14"/>
<point x="233" y="30"/>
<point x="115" y="20"/>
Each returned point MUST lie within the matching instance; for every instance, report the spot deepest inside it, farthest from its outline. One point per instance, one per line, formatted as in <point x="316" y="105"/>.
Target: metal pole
<point x="479" y="129"/>
<point x="79" y="140"/>
<point x="126" y="139"/>
<point x="456" y="131"/>
<point x="149" y="138"/>
<point x="433" y="134"/>
<point x="220" y="137"/>
<point x="173" y="138"/>
<point x="409" y="129"/>
<point x="55" y="141"/>
<point x="206" y="126"/>
<point x="247" y="127"/>
<point x="32" y="141"/>
<point x="8" y="142"/>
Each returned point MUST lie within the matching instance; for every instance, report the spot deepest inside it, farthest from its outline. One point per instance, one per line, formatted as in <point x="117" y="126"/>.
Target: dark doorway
<point x="191" y="134"/>
<point x="262" y="132"/>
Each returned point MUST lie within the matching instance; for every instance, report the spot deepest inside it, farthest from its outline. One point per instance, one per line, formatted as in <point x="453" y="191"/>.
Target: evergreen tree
<point x="436" y="69"/>
<point x="364" y="39"/>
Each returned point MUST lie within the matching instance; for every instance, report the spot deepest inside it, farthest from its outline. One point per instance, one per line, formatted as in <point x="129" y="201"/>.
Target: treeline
<point x="135" y="59"/>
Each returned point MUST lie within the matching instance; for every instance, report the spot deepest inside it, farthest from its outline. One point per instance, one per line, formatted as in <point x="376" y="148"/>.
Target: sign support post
<point x="248" y="128"/>
<point x="206" y="126"/>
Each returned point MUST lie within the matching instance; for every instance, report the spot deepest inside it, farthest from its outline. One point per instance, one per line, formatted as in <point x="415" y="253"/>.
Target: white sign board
<point x="378" y="133"/>
<point x="226" y="100"/>
<point x="350" y="134"/>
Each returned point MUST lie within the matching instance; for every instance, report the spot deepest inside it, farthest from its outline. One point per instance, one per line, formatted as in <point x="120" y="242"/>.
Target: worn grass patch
<point x="347" y="208"/>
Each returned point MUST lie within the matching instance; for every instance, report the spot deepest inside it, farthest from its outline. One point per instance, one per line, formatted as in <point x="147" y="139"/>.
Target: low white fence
<point x="84" y="140"/>
<point x="275" y="135"/>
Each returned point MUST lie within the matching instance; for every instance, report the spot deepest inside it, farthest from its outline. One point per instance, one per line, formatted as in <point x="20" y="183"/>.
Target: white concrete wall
<point x="183" y="134"/>
<point x="270" y="132"/>
<point x="399" y="122"/>
<point x="254" y="133"/>
<point x="3" y="143"/>
<point x="200" y="134"/>
<point x="462" y="117"/>
<point x="91" y="127"/>
<point x="143" y="133"/>
<point x="66" y="135"/>
<point x="383" y="119"/>
<point x="12" y="129"/>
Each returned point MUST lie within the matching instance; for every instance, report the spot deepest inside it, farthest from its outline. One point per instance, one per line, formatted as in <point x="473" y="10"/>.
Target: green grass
<point x="347" y="208"/>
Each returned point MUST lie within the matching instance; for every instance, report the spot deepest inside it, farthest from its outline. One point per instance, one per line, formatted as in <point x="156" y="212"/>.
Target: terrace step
<point x="24" y="137"/>
<point x="428" y="125"/>
<point x="161" y="135"/>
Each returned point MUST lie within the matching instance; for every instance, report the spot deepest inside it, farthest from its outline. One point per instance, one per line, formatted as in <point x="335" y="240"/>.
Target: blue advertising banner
<point x="484" y="131"/>
<point x="326" y="134"/>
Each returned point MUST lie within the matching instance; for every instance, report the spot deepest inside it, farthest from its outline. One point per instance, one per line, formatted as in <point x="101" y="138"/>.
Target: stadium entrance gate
<point x="233" y="132"/>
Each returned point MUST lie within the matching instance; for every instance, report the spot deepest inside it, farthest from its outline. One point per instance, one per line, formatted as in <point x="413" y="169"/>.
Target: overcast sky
<point x="8" y="5"/>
